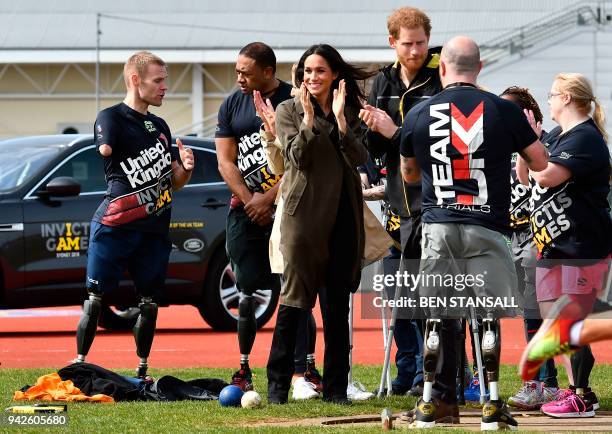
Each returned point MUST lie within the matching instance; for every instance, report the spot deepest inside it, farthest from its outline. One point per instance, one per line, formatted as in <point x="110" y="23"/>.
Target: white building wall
<point x="587" y="51"/>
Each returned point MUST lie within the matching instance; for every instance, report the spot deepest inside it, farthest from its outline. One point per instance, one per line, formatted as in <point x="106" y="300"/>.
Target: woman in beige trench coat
<point x="322" y="236"/>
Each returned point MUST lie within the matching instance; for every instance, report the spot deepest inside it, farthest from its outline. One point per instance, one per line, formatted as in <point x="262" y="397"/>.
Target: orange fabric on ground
<point x="51" y="388"/>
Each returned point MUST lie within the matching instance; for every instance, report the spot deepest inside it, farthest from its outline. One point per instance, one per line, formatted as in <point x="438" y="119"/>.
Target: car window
<point x="86" y="167"/>
<point x="205" y="169"/>
<point x="19" y="164"/>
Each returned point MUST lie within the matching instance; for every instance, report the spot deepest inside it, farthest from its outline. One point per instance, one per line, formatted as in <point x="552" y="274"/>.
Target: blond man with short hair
<point x="129" y="230"/>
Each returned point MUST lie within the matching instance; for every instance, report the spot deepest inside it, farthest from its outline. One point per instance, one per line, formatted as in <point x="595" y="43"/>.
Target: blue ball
<point x="230" y="396"/>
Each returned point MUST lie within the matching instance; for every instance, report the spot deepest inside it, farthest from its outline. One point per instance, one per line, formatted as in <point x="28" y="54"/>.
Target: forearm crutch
<point x="476" y="344"/>
<point x="387" y="360"/>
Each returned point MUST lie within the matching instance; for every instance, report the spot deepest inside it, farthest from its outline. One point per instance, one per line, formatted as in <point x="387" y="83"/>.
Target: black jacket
<point x="390" y="94"/>
<point x="92" y="379"/>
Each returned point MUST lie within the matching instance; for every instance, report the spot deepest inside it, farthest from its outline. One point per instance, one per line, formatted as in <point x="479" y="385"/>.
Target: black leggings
<point x="582" y="365"/>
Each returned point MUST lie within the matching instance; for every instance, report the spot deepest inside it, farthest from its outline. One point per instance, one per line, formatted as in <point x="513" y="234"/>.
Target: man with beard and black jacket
<point x="396" y="89"/>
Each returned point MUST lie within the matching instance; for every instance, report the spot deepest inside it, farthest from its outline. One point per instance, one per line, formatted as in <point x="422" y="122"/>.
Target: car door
<point x="56" y="229"/>
<point x="199" y="213"/>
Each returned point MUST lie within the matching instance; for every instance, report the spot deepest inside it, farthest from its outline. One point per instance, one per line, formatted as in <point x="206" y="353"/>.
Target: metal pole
<point x="350" y="375"/>
<point x="387" y="359"/>
<point x="98" y="33"/>
<point x="476" y="343"/>
<point x="385" y="324"/>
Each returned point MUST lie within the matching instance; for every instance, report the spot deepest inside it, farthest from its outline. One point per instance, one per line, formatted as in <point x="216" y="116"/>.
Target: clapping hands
<point x="307" y="105"/>
<point x="378" y="121"/>
<point x="338" y="105"/>
<point x="266" y="112"/>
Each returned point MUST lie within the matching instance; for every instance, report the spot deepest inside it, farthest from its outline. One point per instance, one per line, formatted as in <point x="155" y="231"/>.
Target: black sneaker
<point x="427" y="414"/>
<point x="277" y="400"/>
<point x="497" y="417"/>
<point x="399" y="390"/>
<point x="243" y="379"/>
<point x="588" y="397"/>
<point x="339" y="400"/>
<point x="416" y="390"/>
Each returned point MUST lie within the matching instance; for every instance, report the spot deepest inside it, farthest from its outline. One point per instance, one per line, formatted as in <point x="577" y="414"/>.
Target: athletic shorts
<point x="552" y="283"/>
<point x="464" y="260"/>
<point x="247" y="246"/>
<point x="113" y="250"/>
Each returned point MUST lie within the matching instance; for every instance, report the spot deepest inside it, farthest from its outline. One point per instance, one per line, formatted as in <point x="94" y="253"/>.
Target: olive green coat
<point x="311" y="188"/>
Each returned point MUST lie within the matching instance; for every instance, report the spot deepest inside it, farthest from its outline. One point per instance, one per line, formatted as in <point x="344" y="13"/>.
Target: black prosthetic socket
<point x="491" y="348"/>
<point x="86" y="330"/>
<point x="247" y="324"/>
<point x="144" y="330"/>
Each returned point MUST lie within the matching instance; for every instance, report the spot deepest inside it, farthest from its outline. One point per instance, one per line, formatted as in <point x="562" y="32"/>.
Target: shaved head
<point x="461" y="55"/>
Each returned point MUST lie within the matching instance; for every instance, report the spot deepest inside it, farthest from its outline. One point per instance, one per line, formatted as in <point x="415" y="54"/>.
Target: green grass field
<point x="187" y="417"/>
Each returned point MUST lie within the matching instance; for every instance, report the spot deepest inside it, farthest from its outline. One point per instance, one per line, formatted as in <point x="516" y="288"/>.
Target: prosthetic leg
<point x="144" y="330"/>
<point x="425" y="413"/>
<point x="247" y="329"/>
<point x="86" y="330"/>
<point x="431" y="355"/>
<point x="495" y="414"/>
<point x="438" y="355"/>
<point x="247" y="326"/>
<point x="491" y="348"/>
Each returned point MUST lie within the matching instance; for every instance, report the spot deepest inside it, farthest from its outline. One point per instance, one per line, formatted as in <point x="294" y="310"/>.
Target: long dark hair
<point x="350" y="73"/>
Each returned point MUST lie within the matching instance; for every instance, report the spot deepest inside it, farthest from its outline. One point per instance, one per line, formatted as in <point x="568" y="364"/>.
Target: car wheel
<point x="221" y="296"/>
<point x="112" y="318"/>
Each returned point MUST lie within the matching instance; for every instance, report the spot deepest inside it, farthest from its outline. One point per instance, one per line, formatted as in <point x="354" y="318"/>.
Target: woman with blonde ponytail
<point x="599" y="117"/>
<point x="572" y="230"/>
<point x="578" y="88"/>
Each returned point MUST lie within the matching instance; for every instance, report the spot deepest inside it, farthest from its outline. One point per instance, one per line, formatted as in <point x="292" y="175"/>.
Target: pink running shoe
<point x="568" y="405"/>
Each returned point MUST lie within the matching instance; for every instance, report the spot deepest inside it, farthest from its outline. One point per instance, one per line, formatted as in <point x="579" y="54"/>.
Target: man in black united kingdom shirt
<point x="138" y="171"/>
<point x="129" y="230"/>
<point x="462" y="140"/>
<point x="244" y="167"/>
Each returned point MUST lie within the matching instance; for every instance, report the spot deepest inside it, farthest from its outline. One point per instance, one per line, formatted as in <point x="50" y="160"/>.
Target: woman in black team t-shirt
<point x="322" y="236"/>
<point x="571" y="226"/>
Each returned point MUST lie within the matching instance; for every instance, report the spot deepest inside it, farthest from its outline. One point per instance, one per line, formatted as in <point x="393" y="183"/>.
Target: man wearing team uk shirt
<point x="461" y="141"/>
<point x="130" y="227"/>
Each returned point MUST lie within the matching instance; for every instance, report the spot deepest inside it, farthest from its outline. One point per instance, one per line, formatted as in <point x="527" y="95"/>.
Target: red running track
<point x="46" y="338"/>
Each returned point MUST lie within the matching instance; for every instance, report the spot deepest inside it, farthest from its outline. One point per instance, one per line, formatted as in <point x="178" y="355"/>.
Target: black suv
<point x="50" y="187"/>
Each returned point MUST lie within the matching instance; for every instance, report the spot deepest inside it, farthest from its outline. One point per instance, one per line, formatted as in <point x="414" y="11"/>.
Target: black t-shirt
<point x="138" y="172"/>
<point x="463" y="140"/>
<point x="572" y="220"/>
<point x="238" y="119"/>
<point x="520" y="198"/>
<point x="519" y="202"/>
